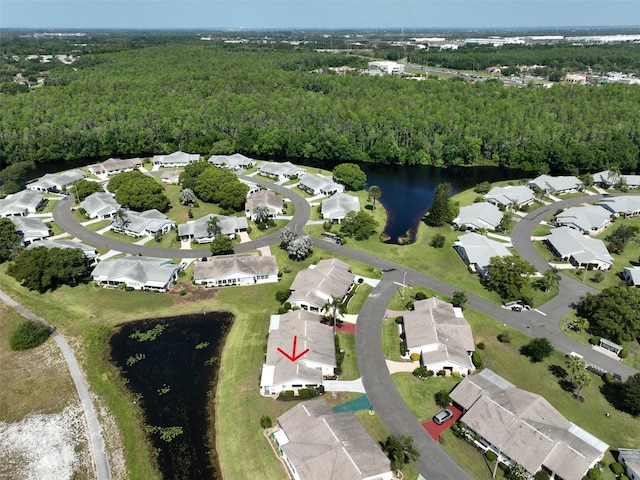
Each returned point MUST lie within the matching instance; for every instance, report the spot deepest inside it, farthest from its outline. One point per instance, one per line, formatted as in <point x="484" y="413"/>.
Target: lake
<point x="170" y="366"/>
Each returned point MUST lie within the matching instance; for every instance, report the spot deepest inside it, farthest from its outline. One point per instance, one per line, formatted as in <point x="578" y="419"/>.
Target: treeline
<point x="197" y="97"/>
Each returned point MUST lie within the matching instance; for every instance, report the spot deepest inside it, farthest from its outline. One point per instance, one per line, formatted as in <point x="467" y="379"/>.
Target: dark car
<point x="443" y="416"/>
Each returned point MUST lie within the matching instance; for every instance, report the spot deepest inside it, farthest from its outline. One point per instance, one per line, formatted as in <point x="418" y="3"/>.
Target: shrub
<point x="360" y="280"/>
<point x="480" y="346"/>
<point x="476" y="359"/>
<point x="491" y="455"/>
<point x="128" y="288"/>
<point x="265" y="421"/>
<point x="541" y="475"/>
<point x="283" y="295"/>
<point x="504" y="337"/>
<point x="414" y="356"/>
<point x="594" y="340"/>
<point x="593" y="474"/>
<point x="82" y="212"/>
<point x="617" y="468"/>
<point x="422" y="372"/>
<point x="503" y="466"/>
<point x="442" y="373"/>
<point x="28" y="334"/>
<point x="438" y="241"/>
<point x="456" y="374"/>
<point x="609" y="379"/>
<point x="286" y="395"/>
<point x="420" y="296"/>
<point x="399" y="320"/>
<point x="624" y="353"/>
<point x="410" y="305"/>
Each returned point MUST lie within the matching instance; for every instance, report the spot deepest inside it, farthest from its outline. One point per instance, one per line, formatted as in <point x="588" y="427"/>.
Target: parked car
<point x="442" y="416"/>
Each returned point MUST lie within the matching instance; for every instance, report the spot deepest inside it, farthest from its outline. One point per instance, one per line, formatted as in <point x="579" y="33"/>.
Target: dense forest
<point x="208" y="98"/>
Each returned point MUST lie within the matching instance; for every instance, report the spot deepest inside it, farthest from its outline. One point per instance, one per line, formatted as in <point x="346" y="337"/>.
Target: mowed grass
<point x="391" y="342"/>
<point x="349" y="365"/>
<point x="418" y="394"/>
<point x="362" y="293"/>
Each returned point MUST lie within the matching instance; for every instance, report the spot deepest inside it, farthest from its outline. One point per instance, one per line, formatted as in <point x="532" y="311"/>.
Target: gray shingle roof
<point x="330" y="446"/>
<point x="556" y="184"/>
<point x="265" y="197"/>
<point x="569" y="242"/>
<point x="518" y="194"/>
<point x="285" y="169"/>
<point x="100" y="204"/>
<point x="319" y="183"/>
<point x="20" y="202"/>
<point x="609" y="178"/>
<point x="479" y="249"/>
<point x="58" y="180"/>
<point x="337" y="206"/>
<point x="198" y="228"/>
<point x="139" y="223"/>
<point x="89" y="251"/>
<point x="223" y="266"/>
<point x="233" y="162"/>
<point x="148" y="271"/>
<point x="625" y="205"/>
<point x="316" y="285"/>
<point x="589" y="218"/>
<point x="30" y="228"/>
<point x="480" y="215"/>
<point x="176" y="158"/>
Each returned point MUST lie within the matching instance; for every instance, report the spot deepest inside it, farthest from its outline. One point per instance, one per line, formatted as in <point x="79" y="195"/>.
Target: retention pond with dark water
<point x="170" y="367"/>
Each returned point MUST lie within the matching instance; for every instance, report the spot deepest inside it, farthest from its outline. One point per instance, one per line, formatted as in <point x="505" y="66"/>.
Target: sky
<point x="316" y="14"/>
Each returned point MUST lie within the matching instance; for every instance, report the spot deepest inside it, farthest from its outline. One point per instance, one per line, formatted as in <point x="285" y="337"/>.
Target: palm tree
<point x="550" y="279"/>
<point x="575" y="364"/>
<point x="374" y="193"/>
<point x="401" y="450"/>
<point x="213" y="226"/>
<point x="120" y="216"/>
<point x="333" y="308"/>
<point x="583" y="379"/>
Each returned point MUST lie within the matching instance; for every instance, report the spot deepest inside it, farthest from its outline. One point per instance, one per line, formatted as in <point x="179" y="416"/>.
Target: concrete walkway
<point x="96" y="444"/>
<point x="109" y="254"/>
<point x="400" y="367"/>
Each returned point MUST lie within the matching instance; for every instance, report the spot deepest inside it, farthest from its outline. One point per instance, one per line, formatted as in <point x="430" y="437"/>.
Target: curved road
<point x="433" y="461"/>
<point x="95" y="439"/>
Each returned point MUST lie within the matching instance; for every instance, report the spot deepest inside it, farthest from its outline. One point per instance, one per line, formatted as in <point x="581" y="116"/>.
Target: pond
<point x="170" y="366"/>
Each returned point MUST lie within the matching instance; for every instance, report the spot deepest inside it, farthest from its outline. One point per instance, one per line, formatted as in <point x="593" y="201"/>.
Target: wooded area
<point x="207" y="98"/>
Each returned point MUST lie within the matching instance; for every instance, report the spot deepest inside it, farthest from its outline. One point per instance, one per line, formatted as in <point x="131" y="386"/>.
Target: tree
<point x="221" y="186"/>
<point x="582" y="379"/>
<point x="508" y="275"/>
<point x="265" y="422"/>
<point x="438" y="240"/>
<point x="350" y="175"/>
<point x="191" y="172"/>
<point x="28" y="334"/>
<point x="517" y="472"/>
<point x="333" y="308"/>
<point x="187" y="197"/>
<point x="261" y="213"/>
<point x="549" y="279"/>
<point x="374" y="193"/>
<point x="401" y="450"/>
<point x="84" y="188"/>
<point x="139" y="191"/>
<point x="10" y="239"/>
<point x="442" y="210"/>
<point x="575" y="364"/>
<point x="423" y="372"/>
<point x="505" y="222"/>
<point x="283" y="295"/>
<point x="631" y="395"/>
<point x="459" y="299"/>
<point x="213" y="226"/>
<point x="221" y="245"/>
<point x="300" y="248"/>
<point x="614" y="313"/>
<point x="537" y="349"/>
<point x="442" y="398"/>
<point x="359" y="225"/>
<point x="287" y="235"/>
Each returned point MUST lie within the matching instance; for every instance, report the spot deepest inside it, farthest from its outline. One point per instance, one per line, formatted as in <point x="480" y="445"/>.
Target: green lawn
<point x="350" y="369"/>
<point x="418" y="394"/>
<point x="541" y="230"/>
<point x="256" y="233"/>
<point x="391" y="342"/>
<point x="362" y="293"/>
<point x="94" y="227"/>
<point x="180" y="213"/>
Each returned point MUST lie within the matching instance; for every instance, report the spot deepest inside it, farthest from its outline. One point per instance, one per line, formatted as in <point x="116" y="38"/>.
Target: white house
<point x="477" y="216"/>
<point x="439" y="333"/>
<point x="336" y="207"/>
<point x="556" y="185"/>
<point x="625" y="206"/>
<point x="581" y="250"/>
<point x="176" y="159"/>
<point x="280" y="171"/>
<point x="32" y="229"/>
<point x="511" y="195"/>
<point x="630" y="458"/>
<point x="139" y="273"/>
<point x="90" y="252"/>
<point x="100" y="205"/>
<point x="590" y="219"/>
<point x="228" y="270"/>
<point x="236" y="161"/>
<point x="113" y="166"/>
<point x="139" y="224"/>
<point x="267" y="198"/>
<point x="608" y="179"/>
<point x="199" y="231"/>
<point x="171" y="177"/>
<point x="21" y="204"/>
<point x="522" y="427"/>
<point x="317" y="184"/>
<point x="317" y="444"/>
<point x="477" y="250"/>
<point x="631" y="275"/>
<point x="57" y="182"/>
<point x="315" y="286"/>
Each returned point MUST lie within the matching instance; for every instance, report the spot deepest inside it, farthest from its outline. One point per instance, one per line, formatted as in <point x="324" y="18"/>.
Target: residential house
<point x="510" y="196"/>
<point x="478" y="216"/>
<point x="140" y="224"/>
<point x="171" y="177"/>
<point x="556" y="185"/>
<point x="32" y="229"/>
<point x="21" y="204"/>
<point x="625" y="206"/>
<point x="139" y="273"/>
<point x="176" y="159"/>
<point x="281" y="171"/>
<point x="199" y="231"/>
<point x="522" y="427"/>
<point x="100" y="205"/>
<point x="253" y="187"/>
<point x="631" y="275"/>
<point x="630" y="458"/>
<point x="57" y="182"/>
<point x="439" y="333"/>
<point x="236" y="161"/>
<point x="315" y="286"/>
<point x="590" y="219"/>
<point x="477" y="251"/>
<point x="113" y="166"/>
<point x="582" y="251"/>
<point x="267" y="198"/>
<point x="279" y="373"/>
<point x="90" y="252"/>
<point x="608" y="179"/>
<point x="317" y="184"/>
<point x="227" y="270"/>
<point x="317" y="444"/>
<point x="336" y="207"/>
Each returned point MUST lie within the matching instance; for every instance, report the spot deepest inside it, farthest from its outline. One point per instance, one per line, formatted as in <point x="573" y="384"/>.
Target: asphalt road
<point x="96" y="443"/>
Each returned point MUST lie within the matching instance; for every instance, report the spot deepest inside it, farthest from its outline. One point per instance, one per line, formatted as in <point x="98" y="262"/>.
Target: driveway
<point x="436" y="430"/>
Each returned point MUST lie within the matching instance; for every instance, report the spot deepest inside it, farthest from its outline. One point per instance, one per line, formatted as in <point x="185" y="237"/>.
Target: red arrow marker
<point x="293" y="357"/>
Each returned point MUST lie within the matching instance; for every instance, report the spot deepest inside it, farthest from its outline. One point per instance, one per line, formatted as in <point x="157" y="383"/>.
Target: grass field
<point x="350" y="369"/>
<point x="356" y="302"/>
